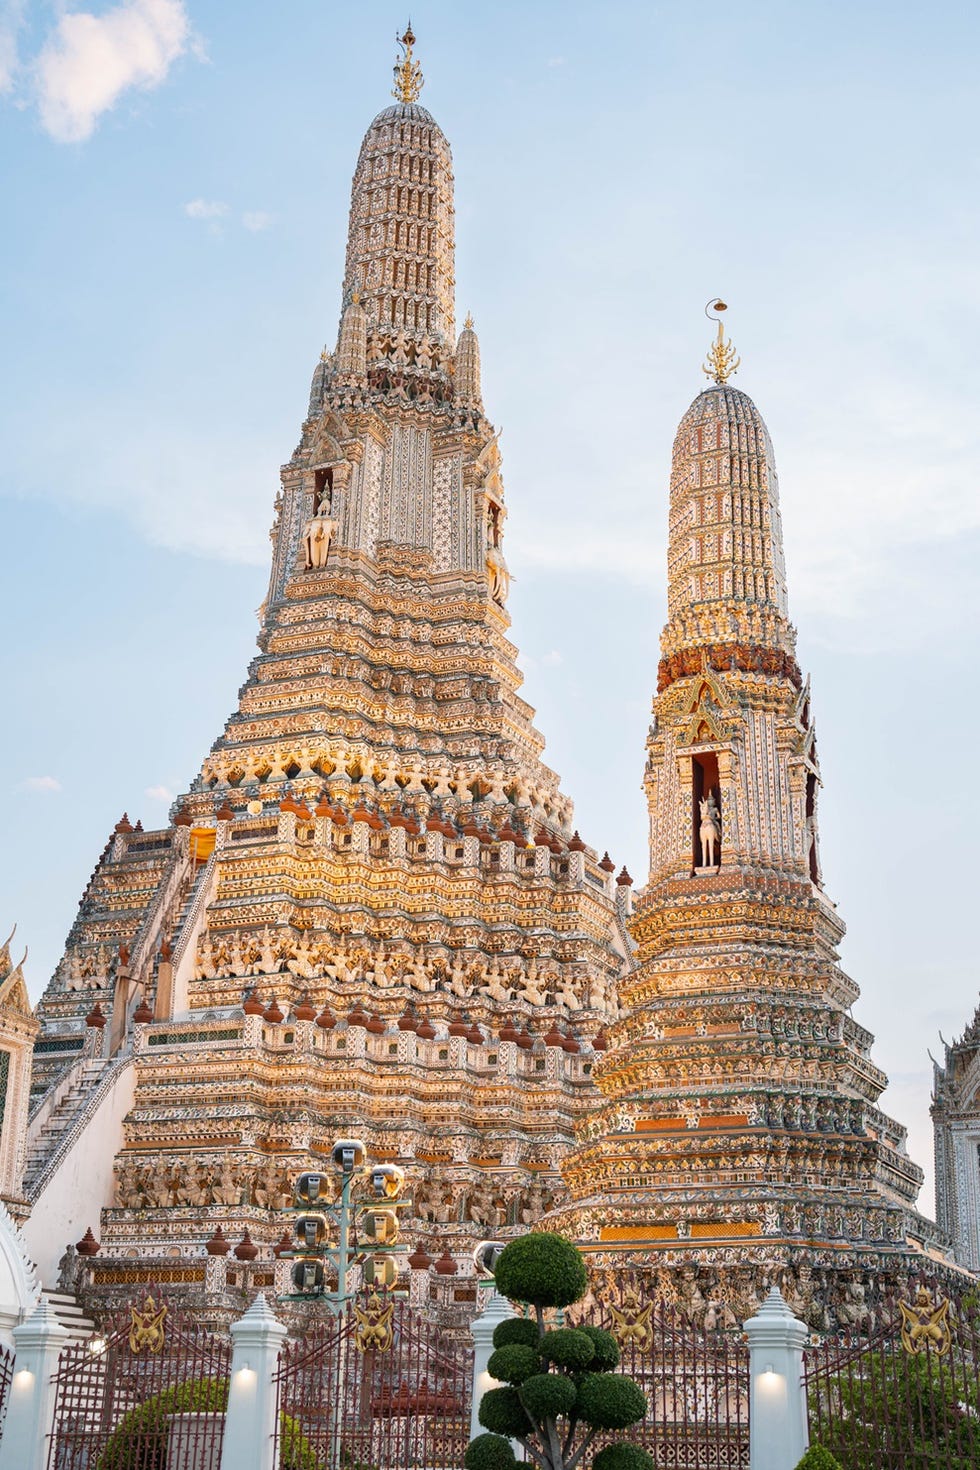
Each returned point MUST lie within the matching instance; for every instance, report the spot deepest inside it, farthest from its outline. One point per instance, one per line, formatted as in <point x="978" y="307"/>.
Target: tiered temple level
<point x="371" y="914"/>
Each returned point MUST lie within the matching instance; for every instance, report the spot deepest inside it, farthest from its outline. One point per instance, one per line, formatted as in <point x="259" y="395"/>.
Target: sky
<point x="177" y="179"/>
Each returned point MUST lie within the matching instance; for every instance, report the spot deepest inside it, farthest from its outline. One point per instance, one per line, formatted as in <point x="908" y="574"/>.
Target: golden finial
<point x="468" y="324"/>
<point x="722" y="362"/>
<point x="408" y="73"/>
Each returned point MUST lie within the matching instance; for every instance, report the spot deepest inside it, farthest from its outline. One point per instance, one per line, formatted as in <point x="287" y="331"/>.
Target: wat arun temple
<point x="372" y="915"/>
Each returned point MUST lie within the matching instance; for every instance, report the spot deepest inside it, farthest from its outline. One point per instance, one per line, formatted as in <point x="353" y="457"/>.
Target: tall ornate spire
<point x="408" y="73"/>
<point x="739" y="1126"/>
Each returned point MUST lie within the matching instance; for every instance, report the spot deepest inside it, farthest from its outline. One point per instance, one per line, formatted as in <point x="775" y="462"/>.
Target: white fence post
<point x="778" y="1431"/>
<point x="496" y="1309"/>
<point x="30" y="1402"/>
<point x="251" y="1419"/>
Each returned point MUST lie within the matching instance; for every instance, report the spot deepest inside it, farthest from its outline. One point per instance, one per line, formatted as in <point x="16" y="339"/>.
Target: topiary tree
<point x="561" y="1389"/>
<point x="817" y="1458"/>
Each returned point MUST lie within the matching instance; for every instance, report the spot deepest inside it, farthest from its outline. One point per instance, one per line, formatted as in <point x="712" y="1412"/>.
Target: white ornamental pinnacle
<point x="352" y="344"/>
<point x="468" y="389"/>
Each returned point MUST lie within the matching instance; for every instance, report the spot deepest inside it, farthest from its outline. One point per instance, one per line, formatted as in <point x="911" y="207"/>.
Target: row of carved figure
<point x="241" y="955"/>
<point x="88" y="969"/>
<point x="362" y="773"/>
<point x="827" y="1300"/>
<point x="164" y="1186"/>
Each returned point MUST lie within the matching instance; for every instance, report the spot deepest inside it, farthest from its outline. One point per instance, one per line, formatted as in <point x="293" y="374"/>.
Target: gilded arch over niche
<point x="706" y="722"/>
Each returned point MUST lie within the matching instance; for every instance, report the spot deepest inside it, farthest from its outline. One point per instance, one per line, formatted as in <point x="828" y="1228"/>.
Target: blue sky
<point x="177" y="180"/>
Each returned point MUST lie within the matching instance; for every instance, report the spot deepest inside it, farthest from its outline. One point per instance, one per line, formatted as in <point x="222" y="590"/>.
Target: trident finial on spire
<point x="408" y="73"/>
<point x="722" y="362"/>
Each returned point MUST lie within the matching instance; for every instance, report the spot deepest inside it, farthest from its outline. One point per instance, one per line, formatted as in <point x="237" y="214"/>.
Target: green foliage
<point x="607" y="1401"/>
<point x="605" y="1347"/>
<point x="513" y="1363"/>
<point x="562" y="1391"/>
<point x="547" y="1395"/>
<point x="926" y="1414"/>
<point x="623" y="1457"/>
<point x="502" y="1412"/>
<point x="816" y="1458"/>
<point x="567" y="1348"/>
<point x="489" y="1452"/>
<point x="543" y="1270"/>
<point x="139" y="1440"/>
<point x="145" y="1429"/>
<point x="516" y="1329"/>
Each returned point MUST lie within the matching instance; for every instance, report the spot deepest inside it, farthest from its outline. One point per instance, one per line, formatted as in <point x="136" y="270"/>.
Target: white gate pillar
<point x="30" y="1402"/>
<point x="778" y="1430"/>
<point x="251" y="1419"/>
<point x="496" y="1309"/>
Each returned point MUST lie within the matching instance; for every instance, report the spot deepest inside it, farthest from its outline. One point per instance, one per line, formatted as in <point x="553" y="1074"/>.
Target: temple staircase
<point x="43" y="1144"/>
<point x="71" y="1314"/>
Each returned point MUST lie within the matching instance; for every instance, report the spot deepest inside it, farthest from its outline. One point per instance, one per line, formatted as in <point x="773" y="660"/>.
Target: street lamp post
<point x="380" y="1225"/>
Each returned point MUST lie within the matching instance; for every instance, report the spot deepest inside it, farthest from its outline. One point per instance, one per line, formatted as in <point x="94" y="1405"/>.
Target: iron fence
<point x="375" y="1386"/>
<point x="149" y="1391"/>
<point x="905" y="1393"/>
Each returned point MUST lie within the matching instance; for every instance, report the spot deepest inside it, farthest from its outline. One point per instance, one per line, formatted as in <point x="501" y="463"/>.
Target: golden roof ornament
<point x="408" y="73"/>
<point x="722" y="361"/>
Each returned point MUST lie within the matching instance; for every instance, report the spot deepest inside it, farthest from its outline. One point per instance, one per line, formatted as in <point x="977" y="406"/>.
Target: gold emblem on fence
<point x="146" y="1326"/>
<point x="632" y="1324"/>
<point x="374" y="1325"/>
<point x="925" y="1328"/>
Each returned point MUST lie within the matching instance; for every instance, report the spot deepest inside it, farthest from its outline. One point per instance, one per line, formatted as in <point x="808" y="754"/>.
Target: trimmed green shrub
<point x="607" y="1401"/>
<point x="816" y="1458"/>
<point x="140" y="1437"/>
<point x="545" y="1270"/>
<point x="516" y="1329"/>
<point x="567" y="1348"/>
<point x="513" y="1363"/>
<point x="623" y="1457"/>
<point x="502" y="1412"/>
<point x="606" y="1348"/>
<point x="547" y="1395"/>
<point x="557" y="1407"/>
<point x="489" y="1452"/>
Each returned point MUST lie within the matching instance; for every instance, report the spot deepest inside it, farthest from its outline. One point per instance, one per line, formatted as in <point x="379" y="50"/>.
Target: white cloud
<point x="90" y="60"/>
<point x="11" y="18"/>
<point x="205" y="209"/>
<point x="40" y="783"/>
<point x="256" y="219"/>
<point x="159" y="793"/>
<point x="552" y="659"/>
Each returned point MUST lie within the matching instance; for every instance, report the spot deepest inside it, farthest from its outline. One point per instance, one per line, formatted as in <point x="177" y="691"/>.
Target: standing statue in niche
<point x="710" y="832"/>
